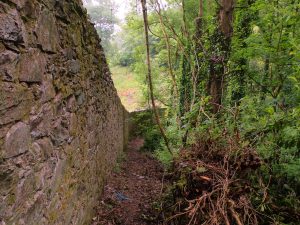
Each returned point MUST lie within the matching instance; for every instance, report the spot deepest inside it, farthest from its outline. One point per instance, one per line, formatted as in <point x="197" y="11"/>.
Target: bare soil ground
<point x="132" y="190"/>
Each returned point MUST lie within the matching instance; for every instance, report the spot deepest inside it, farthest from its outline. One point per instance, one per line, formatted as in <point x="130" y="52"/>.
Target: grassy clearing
<point x="128" y="88"/>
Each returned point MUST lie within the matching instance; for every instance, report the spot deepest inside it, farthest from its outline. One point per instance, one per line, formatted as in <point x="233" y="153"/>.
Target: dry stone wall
<point x="62" y="124"/>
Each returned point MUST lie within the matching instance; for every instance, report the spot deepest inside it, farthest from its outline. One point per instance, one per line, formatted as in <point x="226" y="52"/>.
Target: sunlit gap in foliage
<point x="109" y="18"/>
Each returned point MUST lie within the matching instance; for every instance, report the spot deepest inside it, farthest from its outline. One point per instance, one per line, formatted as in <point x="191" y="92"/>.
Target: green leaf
<point x="200" y="169"/>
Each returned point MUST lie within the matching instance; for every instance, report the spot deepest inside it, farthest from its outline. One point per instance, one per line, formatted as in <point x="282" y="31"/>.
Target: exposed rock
<point x="20" y="3"/>
<point x="11" y="27"/>
<point x="50" y="3"/>
<point x="3" y="131"/>
<point x="46" y="31"/>
<point x="30" y="8"/>
<point x="74" y="66"/>
<point x="17" y="140"/>
<point x="32" y="66"/>
<point x="26" y="188"/>
<point x="71" y="104"/>
<point x="69" y="53"/>
<point x="47" y="89"/>
<point x="58" y="174"/>
<point x="73" y="129"/>
<point x="7" y="57"/>
<point x="43" y="148"/>
<point x="15" y="102"/>
<point x="8" y="65"/>
<point x="80" y="98"/>
<point x="41" y="121"/>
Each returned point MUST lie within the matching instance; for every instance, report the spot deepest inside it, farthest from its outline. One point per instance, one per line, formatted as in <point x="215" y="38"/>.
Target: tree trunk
<point x="220" y="50"/>
<point x="157" y="117"/>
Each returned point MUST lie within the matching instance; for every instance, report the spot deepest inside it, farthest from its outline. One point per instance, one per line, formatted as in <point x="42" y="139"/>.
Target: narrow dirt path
<point x="132" y="189"/>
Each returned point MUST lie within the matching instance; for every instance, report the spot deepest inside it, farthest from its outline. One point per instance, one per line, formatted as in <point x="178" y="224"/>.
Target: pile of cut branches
<point x="211" y="186"/>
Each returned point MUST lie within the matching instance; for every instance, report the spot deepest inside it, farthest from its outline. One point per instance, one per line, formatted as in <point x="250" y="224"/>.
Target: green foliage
<point x="102" y="14"/>
<point x="152" y="138"/>
<point x="164" y="156"/>
<point x="260" y="94"/>
<point x="276" y="133"/>
<point x="145" y="126"/>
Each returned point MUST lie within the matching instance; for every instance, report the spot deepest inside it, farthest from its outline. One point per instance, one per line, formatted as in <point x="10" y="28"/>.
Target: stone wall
<point x="61" y="121"/>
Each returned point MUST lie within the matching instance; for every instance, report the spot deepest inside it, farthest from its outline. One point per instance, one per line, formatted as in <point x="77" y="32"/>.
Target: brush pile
<point x="211" y="186"/>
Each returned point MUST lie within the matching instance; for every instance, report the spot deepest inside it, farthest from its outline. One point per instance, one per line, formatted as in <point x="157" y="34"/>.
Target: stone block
<point x="69" y="53"/>
<point x="17" y="140"/>
<point x="73" y="66"/>
<point x="8" y="65"/>
<point x="19" y="3"/>
<point x="58" y="175"/>
<point x="47" y="89"/>
<point x="29" y="8"/>
<point x="32" y="66"/>
<point x="46" y="31"/>
<point x="15" y="102"/>
<point x="71" y="104"/>
<point x="42" y="149"/>
<point x="41" y="121"/>
<point x="11" y="27"/>
<point x="81" y="98"/>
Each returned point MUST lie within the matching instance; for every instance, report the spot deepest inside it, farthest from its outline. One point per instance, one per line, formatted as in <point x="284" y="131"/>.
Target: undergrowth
<point x="241" y="168"/>
<point x="210" y="184"/>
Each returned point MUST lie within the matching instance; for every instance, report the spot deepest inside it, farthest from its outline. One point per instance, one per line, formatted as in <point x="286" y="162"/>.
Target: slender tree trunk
<point x="157" y="117"/>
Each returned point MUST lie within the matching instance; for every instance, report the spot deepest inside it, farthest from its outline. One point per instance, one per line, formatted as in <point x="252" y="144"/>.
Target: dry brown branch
<point x="214" y="191"/>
